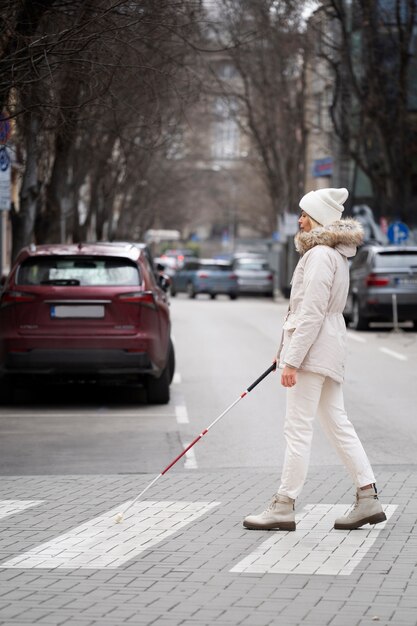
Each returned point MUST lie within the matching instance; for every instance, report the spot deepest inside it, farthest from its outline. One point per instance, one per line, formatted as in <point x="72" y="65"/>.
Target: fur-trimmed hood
<point x="345" y="235"/>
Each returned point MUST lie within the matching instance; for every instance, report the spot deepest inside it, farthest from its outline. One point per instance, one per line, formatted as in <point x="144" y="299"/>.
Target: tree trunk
<point x="54" y="228"/>
<point x="23" y="221"/>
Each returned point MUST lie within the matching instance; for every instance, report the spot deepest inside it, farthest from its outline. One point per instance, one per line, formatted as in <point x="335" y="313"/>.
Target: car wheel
<point x="233" y="296"/>
<point x="415" y="324"/>
<point x="157" y="389"/>
<point x="191" y="290"/>
<point x="172" y="291"/>
<point x="213" y="296"/>
<point x="358" y="321"/>
<point x="171" y="361"/>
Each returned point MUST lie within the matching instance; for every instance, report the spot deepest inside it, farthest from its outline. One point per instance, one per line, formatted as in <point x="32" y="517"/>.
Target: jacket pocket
<point x="290" y="323"/>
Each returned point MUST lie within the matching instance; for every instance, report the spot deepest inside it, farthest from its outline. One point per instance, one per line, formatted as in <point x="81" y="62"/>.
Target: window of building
<point x="225" y="135"/>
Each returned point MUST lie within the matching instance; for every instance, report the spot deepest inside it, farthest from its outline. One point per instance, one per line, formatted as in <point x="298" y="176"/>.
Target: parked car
<point x="254" y="275"/>
<point x="159" y="270"/>
<point x="376" y="274"/>
<point x="88" y="312"/>
<point x="209" y="276"/>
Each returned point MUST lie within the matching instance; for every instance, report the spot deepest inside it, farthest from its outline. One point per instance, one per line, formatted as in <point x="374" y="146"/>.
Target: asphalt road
<point x="221" y="347"/>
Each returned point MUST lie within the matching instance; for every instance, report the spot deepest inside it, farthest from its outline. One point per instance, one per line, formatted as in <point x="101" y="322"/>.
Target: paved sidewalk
<point x="183" y="557"/>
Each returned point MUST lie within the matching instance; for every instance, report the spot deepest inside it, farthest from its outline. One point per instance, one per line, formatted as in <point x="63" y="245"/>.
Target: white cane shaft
<point x="224" y="413"/>
<point x="141" y="494"/>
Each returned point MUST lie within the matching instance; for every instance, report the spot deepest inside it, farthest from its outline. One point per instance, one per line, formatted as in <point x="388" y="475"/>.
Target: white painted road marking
<point x="190" y="460"/>
<point x="177" y="378"/>
<point x="101" y="543"/>
<point x="315" y="547"/>
<point x="11" y="507"/>
<point x="181" y="414"/>
<point x="396" y="355"/>
<point x="356" y="337"/>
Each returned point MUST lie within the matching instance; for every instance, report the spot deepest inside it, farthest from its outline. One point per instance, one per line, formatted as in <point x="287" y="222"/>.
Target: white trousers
<point x="312" y="395"/>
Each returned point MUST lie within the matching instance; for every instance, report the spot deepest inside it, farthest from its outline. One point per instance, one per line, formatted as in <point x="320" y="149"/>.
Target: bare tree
<point x="94" y="86"/>
<point x="368" y="46"/>
<point x="266" y="48"/>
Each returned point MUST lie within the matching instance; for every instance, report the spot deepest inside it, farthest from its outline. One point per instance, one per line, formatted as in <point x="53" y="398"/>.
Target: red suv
<point x="86" y="312"/>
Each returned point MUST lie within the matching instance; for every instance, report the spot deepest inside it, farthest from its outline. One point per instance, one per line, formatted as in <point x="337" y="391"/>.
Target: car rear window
<point x="250" y="264"/>
<point x="77" y="270"/>
<point x="396" y="259"/>
<point x="216" y="267"/>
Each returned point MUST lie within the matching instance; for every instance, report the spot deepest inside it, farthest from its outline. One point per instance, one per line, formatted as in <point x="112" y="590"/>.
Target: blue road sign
<point x="398" y="232"/>
<point x="4" y="160"/>
<point x="5" y="129"/>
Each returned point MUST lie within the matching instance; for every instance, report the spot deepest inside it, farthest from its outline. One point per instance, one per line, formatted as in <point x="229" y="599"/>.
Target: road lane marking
<point x="315" y="547"/>
<point x="101" y="543"/>
<point x="190" y="460"/>
<point x="11" y="507"/>
<point x="181" y="414"/>
<point x="396" y="355"/>
<point x="177" y="378"/>
<point x="356" y="337"/>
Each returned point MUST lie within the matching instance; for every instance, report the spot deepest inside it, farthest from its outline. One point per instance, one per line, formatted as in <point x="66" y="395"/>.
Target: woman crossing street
<point x="312" y="356"/>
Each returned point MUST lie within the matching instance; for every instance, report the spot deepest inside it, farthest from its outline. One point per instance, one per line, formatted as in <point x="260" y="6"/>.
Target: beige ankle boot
<point x="278" y="516"/>
<point x="367" y="510"/>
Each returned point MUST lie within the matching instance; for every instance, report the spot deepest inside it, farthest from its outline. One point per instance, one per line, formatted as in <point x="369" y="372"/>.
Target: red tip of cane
<point x="245" y="393"/>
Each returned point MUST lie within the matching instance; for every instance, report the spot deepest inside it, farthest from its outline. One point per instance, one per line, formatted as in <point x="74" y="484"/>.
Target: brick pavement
<point x="53" y="529"/>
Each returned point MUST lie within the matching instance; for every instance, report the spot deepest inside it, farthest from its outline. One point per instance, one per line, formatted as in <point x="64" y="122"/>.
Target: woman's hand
<point x="289" y="376"/>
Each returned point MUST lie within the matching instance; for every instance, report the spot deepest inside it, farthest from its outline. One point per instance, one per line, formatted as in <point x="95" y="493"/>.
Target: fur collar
<point x="344" y="235"/>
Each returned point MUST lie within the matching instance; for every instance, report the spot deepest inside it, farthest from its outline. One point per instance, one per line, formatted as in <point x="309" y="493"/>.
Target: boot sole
<point x="280" y="526"/>
<point x="373" y="519"/>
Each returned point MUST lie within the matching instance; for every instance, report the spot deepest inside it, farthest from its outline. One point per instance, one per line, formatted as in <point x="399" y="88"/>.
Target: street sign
<point x="5" y="179"/>
<point x="323" y="167"/>
<point x="398" y="232"/>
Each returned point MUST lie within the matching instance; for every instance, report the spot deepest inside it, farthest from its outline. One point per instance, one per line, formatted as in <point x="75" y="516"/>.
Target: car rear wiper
<point x="62" y="282"/>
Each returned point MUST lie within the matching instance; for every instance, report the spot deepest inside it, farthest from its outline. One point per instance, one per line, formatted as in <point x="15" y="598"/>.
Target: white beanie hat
<point x="324" y="205"/>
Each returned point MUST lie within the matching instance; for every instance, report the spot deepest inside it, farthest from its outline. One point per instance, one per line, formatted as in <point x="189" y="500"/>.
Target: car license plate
<point x="407" y="281"/>
<point x="78" y="311"/>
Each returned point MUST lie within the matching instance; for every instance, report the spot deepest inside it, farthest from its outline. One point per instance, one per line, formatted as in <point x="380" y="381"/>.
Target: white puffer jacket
<point x="314" y="332"/>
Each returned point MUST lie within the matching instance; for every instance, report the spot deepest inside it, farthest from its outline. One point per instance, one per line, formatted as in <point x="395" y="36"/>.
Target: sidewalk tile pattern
<point x="316" y="548"/>
<point x="185" y="579"/>
<point x="101" y="543"/>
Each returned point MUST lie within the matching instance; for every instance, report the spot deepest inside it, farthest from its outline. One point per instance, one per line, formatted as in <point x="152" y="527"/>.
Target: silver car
<point x="377" y="274"/>
<point x="254" y="275"/>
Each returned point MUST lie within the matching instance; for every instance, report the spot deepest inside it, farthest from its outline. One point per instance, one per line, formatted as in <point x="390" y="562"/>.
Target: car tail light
<point x="202" y="275"/>
<point x="142" y="298"/>
<point x="15" y="297"/>
<point x="373" y="280"/>
<point x="270" y="277"/>
<point x="233" y="276"/>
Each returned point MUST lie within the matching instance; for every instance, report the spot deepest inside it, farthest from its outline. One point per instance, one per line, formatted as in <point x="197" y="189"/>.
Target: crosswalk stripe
<point x="11" y="507"/>
<point x="315" y="548"/>
<point x="100" y="543"/>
